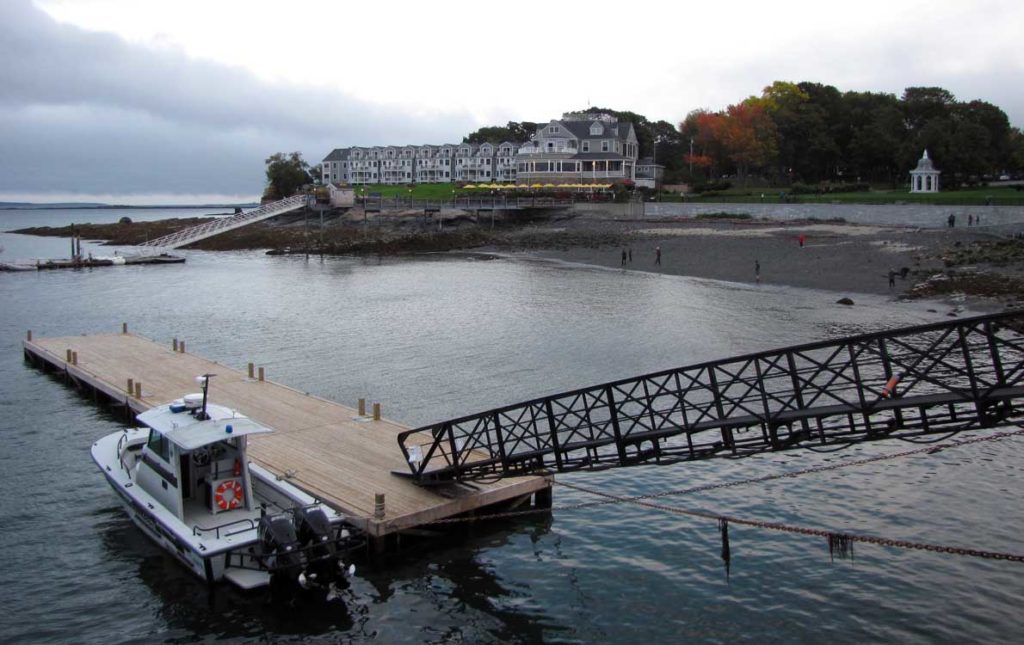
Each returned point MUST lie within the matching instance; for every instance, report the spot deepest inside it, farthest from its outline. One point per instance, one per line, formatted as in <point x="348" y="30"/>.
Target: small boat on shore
<point x="186" y="482"/>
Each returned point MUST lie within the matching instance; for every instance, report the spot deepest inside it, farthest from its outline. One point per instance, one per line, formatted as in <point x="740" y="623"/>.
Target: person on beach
<point x="623" y="257"/>
<point x="757" y="271"/>
<point x="951" y="220"/>
<point x="657" y="255"/>
<point x="801" y="239"/>
<point x="970" y="219"/>
<point x="892" y="278"/>
<point x="630" y="251"/>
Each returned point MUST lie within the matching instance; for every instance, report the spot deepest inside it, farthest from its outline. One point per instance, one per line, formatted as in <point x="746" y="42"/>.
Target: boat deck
<point x="320" y="446"/>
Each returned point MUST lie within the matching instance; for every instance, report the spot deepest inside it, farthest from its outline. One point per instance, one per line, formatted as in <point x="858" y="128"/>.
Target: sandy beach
<point x="839" y="257"/>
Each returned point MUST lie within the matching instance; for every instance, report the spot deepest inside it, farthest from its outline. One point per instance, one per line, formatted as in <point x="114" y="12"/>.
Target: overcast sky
<point x="178" y="101"/>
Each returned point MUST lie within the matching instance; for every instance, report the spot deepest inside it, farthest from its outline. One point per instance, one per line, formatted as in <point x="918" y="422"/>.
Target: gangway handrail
<point x="908" y="382"/>
<point x="208" y="229"/>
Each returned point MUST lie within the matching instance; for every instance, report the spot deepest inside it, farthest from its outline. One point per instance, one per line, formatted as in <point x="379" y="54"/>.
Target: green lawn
<point x="1002" y="195"/>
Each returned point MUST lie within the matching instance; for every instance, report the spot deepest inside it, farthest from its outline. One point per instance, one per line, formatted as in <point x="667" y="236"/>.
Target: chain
<point x="608" y="498"/>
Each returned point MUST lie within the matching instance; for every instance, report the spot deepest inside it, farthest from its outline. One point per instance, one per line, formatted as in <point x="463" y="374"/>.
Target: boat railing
<point x="251" y="525"/>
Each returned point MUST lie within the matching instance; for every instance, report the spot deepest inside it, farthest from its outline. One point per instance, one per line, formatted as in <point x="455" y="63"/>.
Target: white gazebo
<point x="924" y="178"/>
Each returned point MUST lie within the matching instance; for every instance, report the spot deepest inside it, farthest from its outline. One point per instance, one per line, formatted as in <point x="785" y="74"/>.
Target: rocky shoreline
<point x="833" y="256"/>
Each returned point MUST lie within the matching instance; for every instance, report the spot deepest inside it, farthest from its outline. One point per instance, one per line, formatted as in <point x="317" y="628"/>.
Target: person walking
<point x="623" y="263"/>
<point x="801" y="239"/>
<point x="757" y="271"/>
<point x="951" y="220"/>
<point x="892" y="278"/>
<point x="657" y="255"/>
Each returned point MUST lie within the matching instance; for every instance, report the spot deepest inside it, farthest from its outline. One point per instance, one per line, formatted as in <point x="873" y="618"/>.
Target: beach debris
<point x="845" y="301"/>
<point x="841" y="545"/>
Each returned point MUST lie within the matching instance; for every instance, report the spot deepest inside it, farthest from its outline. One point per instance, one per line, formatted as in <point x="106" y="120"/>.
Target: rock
<point x="125" y="220"/>
<point x="845" y="301"/>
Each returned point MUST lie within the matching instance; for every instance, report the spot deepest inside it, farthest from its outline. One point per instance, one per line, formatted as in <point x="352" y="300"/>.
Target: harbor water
<point x="438" y="336"/>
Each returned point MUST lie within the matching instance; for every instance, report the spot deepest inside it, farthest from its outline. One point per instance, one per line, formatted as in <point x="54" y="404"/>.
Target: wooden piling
<point x="74" y="358"/>
<point x="124" y="328"/>
<point x="261" y="374"/>
<point x="67" y="356"/>
<point x="131" y="386"/>
<point x="29" y="336"/>
<point x="181" y="346"/>
<point x="376" y="411"/>
<point x="138" y="389"/>
<point x="362" y="407"/>
<point x="378" y="506"/>
<point x="252" y="371"/>
<point x="174" y="345"/>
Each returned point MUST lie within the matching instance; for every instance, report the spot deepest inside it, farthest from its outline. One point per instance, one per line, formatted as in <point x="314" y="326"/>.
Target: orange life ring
<point x="226" y="500"/>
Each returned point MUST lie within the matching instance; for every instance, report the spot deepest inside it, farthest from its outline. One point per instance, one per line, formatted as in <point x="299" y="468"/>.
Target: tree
<point x="516" y="132"/>
<point x="286" y="174"/>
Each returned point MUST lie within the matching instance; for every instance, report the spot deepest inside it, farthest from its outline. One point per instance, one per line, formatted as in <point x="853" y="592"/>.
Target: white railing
<point x="221" y="225"/>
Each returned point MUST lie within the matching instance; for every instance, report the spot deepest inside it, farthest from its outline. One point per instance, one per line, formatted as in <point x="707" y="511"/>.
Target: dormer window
<point x="553" y="129"/>
<point x="596" y="129"/>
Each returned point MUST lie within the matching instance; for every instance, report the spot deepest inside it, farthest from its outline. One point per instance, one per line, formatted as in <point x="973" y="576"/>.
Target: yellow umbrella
<point x="549" y="185"/>
<point x="537" y="186"/>
<point x="468" y="186"/>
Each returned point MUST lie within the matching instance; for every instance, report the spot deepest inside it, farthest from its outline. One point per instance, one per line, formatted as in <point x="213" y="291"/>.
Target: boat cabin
<point x="194" y="462"/>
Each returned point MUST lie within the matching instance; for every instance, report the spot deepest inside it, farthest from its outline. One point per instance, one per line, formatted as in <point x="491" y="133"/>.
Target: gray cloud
<point x="88" y="112"/>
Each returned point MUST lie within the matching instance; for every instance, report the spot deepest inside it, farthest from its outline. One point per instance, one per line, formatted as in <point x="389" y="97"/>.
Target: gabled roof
<point x="338" y="154"/>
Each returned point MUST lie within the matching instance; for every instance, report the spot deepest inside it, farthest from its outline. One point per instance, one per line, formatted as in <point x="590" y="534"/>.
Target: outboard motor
<point x="280" y="549"/>
<point x="316" y="538"/>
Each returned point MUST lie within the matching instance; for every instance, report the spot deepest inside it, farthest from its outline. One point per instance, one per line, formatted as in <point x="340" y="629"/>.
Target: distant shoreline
<point x="73" y="207"/>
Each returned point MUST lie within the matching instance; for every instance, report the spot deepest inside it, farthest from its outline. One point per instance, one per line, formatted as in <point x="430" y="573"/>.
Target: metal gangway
<point x="198" y="232"/>
<point x="905" y="383"/>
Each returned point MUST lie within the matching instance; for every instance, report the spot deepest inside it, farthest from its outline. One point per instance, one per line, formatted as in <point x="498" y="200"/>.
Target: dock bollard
<point x="138" y="389"/>
<point x="131" y="386"/>
<point x="378" y="506"/>
<point x="362" y="407"/>
<point x="174" y="344"/>
<point x="376" y="411"/>
<point x="74" y="358"/>
<point x="261" y="374"/>
<point x="124" y="328"/>
<point x="252" y="371"/>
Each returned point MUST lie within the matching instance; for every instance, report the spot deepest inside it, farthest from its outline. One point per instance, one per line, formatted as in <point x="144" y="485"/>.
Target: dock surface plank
<point x="319" y="445"/>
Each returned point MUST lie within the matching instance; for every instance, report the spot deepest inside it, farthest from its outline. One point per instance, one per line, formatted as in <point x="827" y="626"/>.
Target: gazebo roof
<point x="924" y="164"/>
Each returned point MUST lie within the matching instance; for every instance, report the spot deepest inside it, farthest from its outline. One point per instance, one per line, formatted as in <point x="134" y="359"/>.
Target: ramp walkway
<point x="192" y="234"/>
<point x="908" y="383"/>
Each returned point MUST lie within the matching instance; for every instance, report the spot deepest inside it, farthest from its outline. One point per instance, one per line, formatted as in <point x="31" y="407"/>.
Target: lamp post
<point x="691" y="159"/>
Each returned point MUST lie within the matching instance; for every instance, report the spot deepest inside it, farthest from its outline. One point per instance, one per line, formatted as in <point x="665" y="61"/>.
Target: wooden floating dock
<point x="327" y="449"/>
<point x="92" y="262"/>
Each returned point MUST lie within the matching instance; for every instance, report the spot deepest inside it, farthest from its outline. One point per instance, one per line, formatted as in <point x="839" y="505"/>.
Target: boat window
<point x="158" y="445"/>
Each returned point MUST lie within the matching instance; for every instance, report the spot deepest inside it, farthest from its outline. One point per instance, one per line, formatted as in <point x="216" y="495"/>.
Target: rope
<point x="838" y="542"/>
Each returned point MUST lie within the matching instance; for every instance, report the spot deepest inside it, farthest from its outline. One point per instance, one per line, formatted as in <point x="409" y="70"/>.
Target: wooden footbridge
<point x="187" y="236"/>
<point x="908" y="383"/>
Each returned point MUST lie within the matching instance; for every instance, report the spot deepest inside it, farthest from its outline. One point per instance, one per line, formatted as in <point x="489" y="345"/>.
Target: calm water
<point x="441" y="336"/>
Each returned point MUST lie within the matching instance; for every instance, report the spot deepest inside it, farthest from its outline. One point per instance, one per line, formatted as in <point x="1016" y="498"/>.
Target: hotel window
<point x="586" y="146"/>
<point x="604" y="146"/>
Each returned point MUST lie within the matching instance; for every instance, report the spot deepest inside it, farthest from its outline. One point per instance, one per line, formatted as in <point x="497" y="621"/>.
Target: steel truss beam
<point x="907" y="382"/>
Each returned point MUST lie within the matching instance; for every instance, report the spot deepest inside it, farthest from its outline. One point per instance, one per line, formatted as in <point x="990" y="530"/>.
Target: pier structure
<point x="344" y="456"/>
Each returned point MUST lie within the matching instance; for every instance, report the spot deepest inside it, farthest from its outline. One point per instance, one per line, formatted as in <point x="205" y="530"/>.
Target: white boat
<point x="186" y="481"/>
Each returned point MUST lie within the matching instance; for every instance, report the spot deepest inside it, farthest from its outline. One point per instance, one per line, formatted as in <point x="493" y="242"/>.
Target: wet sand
<point x="837" y="257"/>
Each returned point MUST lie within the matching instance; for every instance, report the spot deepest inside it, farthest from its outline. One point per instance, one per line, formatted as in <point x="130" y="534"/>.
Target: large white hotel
<point x="578" y="148"/>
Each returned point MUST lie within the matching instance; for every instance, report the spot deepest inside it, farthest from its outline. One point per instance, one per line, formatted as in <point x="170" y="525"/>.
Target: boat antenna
<point x="204" y="380"/>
